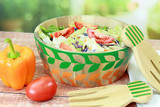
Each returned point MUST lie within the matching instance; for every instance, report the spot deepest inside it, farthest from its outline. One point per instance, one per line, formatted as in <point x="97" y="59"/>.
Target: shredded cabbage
<point x="79" y="32"/>
<point x="58" y="41"/>
<point x="80" y="40"/>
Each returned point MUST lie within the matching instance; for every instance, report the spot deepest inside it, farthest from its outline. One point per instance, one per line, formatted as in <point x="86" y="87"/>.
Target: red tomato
<point x="66" y="47"/>
<point x="41" y="89"/>
<point x="99" y="37"/>
<point x="68" y="32"/>
<point x="79" y="25"/>
<point x="57" y="34"/>
<point x="51" y="35"/>
<point x="65" y="32"/>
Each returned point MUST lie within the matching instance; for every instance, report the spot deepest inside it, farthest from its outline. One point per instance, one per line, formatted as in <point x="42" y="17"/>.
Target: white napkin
<point x="135" y="74"/>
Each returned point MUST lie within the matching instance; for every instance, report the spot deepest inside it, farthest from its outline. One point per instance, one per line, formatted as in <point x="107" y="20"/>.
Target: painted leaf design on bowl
<point x="80" y="77"/>
<point x="50" y="53"/>
<point x="110" y="58"/>
<point x="65" y="65"/>
<point x="65" y="57"/>
<point x="94" y="77"/>
<point x="93" y="68"/>
<point x="66" y="75"/>
<point x="78" y="67"/>
<point x="79" y="59"/>
<point x="107" y="75"/>
<point x="119" y="63"/>
<point x="127" y="60"/>
<point x="51" y="60"/>
<point x="41" y="55"/>
<point x="108" y="66"/>
<point x="94" y="59"/>
<point x="121" y="54"/>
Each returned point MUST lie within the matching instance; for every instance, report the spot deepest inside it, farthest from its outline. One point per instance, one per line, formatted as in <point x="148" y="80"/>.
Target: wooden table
<point x="17" y="98"/>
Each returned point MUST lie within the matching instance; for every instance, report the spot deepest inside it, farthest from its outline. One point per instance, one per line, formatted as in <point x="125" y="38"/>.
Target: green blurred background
<point x="25" y="15"/>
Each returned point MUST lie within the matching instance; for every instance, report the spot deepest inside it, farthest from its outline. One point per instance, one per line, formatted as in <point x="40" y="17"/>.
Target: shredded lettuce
<point x="79" y="32"/>
<point x="116" y="31"/>
<point x="102" y="31"/>
<point x="42" y="35"/>
<point x="46" y="39"/>
<point x="58" y="41"/>
<point x="80" y="40"/>
<point x="103" y="28"/>
<point x="51" y="29"/>
<point x="92" y="45"/>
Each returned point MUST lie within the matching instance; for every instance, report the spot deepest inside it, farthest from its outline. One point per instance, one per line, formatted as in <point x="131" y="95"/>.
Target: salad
<point x="83" y="37"/>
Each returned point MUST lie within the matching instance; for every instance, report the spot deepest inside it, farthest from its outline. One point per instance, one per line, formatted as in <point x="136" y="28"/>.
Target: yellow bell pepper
<point x="17" y="65"/>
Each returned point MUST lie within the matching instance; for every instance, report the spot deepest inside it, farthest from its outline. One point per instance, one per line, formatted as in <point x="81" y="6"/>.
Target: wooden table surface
<point x="17" y="98"/>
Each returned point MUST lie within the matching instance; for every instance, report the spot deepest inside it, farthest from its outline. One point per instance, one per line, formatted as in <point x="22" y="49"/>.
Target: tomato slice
<point x="57" y="34"/>
<point x="66" y="47"/>
<point x="65" y="32"/>
<point x="68" y="32"/>
<point x="99" y="37"/>
<point x="79" y="25"/>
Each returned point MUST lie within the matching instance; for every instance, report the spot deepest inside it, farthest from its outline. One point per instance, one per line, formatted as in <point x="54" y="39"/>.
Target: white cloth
<point x="135" y="74"/>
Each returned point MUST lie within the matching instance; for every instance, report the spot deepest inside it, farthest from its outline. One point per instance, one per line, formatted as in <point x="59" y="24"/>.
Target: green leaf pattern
<point x="80" y="60"/>
<point x="108" y="66"/>
<point x="119" y="63"/>
<point x="78" y="67"/>
<point x="93" y="68"/>
<point x="51" y="60"/>
<point x="65" y="65"/>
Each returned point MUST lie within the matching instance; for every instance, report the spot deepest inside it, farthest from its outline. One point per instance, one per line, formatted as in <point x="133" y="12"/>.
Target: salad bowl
<point x="82" y="69"/>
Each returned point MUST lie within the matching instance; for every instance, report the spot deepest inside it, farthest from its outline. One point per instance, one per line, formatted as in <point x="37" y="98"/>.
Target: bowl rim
<point x="101" y="52"/>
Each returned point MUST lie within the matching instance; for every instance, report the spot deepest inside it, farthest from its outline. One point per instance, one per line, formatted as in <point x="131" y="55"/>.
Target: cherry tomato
<point x="41" y="89"/>
<point x="79" y="25"/>
<point x="99" y="37"/>
<point x="66" y="47"/>
<point x="51" y="35"/>
<point x="65" y="32"/>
